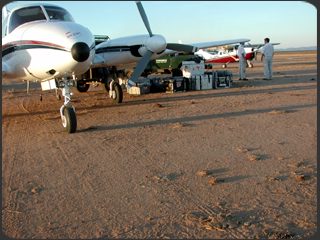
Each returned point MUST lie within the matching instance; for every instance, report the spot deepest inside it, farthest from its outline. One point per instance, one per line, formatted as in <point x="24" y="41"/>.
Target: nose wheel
<point x="67" y="111"/>
<point x="69" y="119"/>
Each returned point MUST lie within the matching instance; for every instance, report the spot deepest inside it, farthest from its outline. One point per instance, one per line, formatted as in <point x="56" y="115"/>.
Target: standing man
<point x="242" y="61"/>
<point x="267" y="55"/>
<point x="186" y="77"/>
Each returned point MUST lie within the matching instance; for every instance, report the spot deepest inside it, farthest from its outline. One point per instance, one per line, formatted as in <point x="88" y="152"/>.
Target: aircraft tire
<point x="69" y="120"/>
<point x="82" y="86"/>
<point x="118" y="93"/>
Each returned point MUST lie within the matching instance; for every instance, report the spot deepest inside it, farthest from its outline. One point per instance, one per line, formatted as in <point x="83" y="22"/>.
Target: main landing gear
<point x="115" y="91"/>
<point x="112" y="87"/>
<point x="104" y="76"/>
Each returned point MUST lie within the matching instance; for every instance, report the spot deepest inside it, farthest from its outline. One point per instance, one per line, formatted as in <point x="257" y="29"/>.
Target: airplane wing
<point x="204" y="45"/>
<point x="258" y="45"/>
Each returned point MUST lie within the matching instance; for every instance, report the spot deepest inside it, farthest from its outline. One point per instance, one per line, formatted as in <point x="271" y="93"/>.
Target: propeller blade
<point x="182" y="47"/>
<point x="144" y="17"/>
<point x="140" y="68"/>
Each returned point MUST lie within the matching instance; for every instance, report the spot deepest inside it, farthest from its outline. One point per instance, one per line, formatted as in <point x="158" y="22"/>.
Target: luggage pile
<point x="194" y="78"/>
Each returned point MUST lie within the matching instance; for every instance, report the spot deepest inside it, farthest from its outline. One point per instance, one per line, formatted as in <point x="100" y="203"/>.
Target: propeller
<point x="141" y="65"/>
<point x="144" y="17"/>
<point x="155" y="44"/>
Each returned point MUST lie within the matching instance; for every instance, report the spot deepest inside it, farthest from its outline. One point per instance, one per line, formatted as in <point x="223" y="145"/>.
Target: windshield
<point x="57" y="13"/>
<point x="213" y="51"/>
<point x="25" y="15"/>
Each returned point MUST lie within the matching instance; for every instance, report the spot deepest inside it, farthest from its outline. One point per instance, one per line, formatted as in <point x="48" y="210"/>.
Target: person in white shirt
<point x="242" y="62"/>
<point x="185" y="72"/>
<point x="186" y="77"/>
<point x="267" y="55"/>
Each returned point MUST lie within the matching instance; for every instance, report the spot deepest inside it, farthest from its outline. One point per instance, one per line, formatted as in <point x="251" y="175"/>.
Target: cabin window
<point x="57" y="13"/>
<point x="25" y="15"/>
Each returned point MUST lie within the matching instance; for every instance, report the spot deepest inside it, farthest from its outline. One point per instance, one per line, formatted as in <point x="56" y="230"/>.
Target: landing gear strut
<point x="67" y="111"/>
<point x="105" y="76"/>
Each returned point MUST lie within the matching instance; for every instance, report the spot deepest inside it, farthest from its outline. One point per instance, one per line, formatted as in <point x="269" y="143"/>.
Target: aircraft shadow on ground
<point x="190" y="119"/>
<point x="183" y="97"/>
<point x="216" y="94"/>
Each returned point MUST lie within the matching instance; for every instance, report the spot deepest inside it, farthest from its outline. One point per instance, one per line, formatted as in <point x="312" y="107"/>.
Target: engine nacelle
<point x="156" y="44"/>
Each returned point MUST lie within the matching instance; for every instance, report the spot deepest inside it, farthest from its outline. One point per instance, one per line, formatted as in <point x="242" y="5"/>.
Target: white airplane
<point x="229" y="54"/>
<point x="42" y="43"/>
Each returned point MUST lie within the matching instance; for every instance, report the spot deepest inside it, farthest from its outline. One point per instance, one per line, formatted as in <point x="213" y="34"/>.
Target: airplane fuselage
<point x="46" y="49"/>
<point x="225" y="56"/>
<point x="229" y="58"/>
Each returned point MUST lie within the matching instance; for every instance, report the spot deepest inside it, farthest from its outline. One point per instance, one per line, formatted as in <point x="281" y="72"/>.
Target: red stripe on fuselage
<point x="229" y="59"/>
<point x="32" y="42"/>
<point x="223" y="60"/>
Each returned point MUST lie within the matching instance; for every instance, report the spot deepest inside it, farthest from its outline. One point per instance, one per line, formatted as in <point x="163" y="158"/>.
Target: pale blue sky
<point x="292" y="23"/>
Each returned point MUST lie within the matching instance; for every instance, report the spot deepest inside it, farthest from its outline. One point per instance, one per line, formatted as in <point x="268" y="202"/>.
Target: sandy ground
<point x="229" y="163"/>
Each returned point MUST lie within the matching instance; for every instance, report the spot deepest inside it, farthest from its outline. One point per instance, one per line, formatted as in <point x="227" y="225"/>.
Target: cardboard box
<point x="142" y="87"/>
<point x="139" y="90"/>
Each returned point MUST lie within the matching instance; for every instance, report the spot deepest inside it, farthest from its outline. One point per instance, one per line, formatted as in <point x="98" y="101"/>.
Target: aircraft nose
<point x="80" y="51"/>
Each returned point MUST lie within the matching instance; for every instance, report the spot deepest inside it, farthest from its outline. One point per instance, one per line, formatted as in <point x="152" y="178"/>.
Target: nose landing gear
<point x="67" y="111"/>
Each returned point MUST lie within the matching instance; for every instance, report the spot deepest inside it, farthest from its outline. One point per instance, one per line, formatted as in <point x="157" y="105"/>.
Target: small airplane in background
<point x="229" y="54"/>
<point x="42" y="43"/>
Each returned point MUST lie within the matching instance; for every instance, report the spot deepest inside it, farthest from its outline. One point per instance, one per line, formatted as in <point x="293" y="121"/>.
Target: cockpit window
<point x="213" y="52"/>
<point x="57" y="13"/>
<point x="25" y="15"/>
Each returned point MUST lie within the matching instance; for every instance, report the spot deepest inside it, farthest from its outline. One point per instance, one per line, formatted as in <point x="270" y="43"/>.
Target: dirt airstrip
<point x="228" y="163"/>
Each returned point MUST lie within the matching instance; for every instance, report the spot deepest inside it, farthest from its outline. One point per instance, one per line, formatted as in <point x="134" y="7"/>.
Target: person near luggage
<point x="241" y="53"/>
<point x="267" y="56"/>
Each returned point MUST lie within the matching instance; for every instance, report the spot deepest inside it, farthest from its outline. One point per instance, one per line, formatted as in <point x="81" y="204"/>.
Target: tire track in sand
<point x="182" y="192"/>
